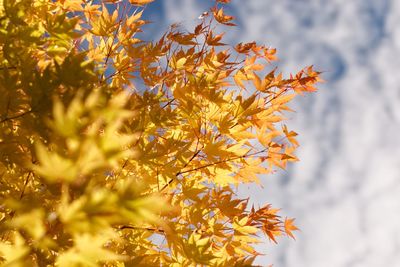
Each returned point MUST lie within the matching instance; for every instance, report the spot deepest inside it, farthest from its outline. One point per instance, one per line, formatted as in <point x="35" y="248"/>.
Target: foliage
<point x="116" y="151"/>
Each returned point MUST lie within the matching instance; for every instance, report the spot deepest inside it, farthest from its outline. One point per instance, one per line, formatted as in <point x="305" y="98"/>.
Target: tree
<point x="116" y="151"/>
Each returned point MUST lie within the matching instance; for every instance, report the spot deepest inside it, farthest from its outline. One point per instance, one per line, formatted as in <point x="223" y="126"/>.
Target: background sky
<point x="345" y="191"/>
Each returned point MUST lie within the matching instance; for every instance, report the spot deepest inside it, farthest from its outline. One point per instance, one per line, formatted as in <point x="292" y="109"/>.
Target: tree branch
<point x="197" y="151"/>
<point x="25" y="184"/>
<point x="151" y="229"/>
<point x="16" y="116"/>
<point x="211" y="164"/>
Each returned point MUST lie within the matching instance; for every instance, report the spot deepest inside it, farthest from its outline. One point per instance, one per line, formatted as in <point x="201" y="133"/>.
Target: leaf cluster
<point x="116" y="151"/>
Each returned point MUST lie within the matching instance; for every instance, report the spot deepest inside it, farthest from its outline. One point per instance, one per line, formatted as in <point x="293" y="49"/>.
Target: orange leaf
<point x="214" y="40"/>
<point x="222" y="18"/>
<point x="140" y="2"/>
<point x="289" y="227"/>
<point x="244" y="48"/>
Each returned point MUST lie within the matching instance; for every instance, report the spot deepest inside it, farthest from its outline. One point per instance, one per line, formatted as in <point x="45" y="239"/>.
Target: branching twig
<point x="197" y="151"/>
<point x="212" y="164"/>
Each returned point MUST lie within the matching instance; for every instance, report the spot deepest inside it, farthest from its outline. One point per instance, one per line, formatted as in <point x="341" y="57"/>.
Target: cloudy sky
<point x="345" y="191"/>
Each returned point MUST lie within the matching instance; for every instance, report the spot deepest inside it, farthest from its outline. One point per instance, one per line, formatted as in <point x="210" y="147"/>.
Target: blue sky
<point x="345" y="191"/>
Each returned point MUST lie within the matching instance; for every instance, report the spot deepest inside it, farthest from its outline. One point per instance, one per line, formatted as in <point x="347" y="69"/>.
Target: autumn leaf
<point x="220" y="16"/>
<point x="214" y="40"/>
<point x="245" y="48"/>
<point x="140" y="2"/>
<point x="290" y="227"/>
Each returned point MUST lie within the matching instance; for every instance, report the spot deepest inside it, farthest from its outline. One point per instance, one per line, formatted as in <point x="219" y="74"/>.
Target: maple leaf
<point x="245" y="48"/>
<point x="222" y="18"/>
<point x="140" y="2"/>
<point x="289" y="227"/>
<point x="290" y="136"/>
<point x="214" y="40"/>
<point x="270" y="54"/>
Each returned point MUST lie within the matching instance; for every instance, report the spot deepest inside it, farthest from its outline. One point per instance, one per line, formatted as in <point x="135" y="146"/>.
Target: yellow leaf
<point x="283" y="99"/>
<point x="180" y="63"/>
<point x="14" y="254"/>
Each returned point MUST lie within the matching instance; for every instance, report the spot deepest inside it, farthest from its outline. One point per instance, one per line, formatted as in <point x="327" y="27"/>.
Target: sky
<point x="345" y="190"/>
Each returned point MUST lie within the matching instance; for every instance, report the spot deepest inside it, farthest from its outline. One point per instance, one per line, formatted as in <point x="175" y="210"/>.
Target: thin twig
<point x="212" y="164"/>
<point x="16" y="116"/>
<point x="25" y="184"/>
<point x="152" y="229"/>
<point x="197" y="151"/>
